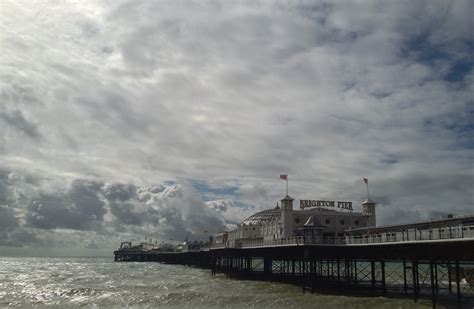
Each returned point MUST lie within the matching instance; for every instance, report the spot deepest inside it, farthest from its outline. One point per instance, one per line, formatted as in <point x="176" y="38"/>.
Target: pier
<point x="438" y="269"/>
<point x="441" y="270"/>
<point x="327" y="251"/>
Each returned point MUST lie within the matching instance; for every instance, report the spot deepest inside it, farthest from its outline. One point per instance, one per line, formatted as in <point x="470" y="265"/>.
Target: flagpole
<point x="285" y="177"/>
<point x="367" y="190"/>
<point x="350" y="216"/>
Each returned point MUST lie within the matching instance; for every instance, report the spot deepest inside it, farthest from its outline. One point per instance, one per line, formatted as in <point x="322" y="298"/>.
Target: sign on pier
<point x="319" y="203"/>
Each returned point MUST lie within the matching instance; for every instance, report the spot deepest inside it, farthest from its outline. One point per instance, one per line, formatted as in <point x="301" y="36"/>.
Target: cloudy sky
<point x="126" y="119"/>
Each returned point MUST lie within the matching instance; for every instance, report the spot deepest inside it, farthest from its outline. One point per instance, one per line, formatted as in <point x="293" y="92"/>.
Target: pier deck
<point x="441" y="270"/>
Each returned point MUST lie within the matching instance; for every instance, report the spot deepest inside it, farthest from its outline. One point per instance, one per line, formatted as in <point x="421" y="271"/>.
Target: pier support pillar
<point x="267" y="268"/>
<point x="382" y="265"/>
<point x="450" y="286"/>
<point x="414" y="268"/>
<point x="433" y="287"/>
<point x="355" y="272"/>
<point x="372" y="275"/>
<point x="458" y="281"/>
<point x="405" y="285"/>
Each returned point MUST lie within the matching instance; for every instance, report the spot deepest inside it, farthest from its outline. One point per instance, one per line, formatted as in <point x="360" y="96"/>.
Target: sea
<point x="93" y="282"/>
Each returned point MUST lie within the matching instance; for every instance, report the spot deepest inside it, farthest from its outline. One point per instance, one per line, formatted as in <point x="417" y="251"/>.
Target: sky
<point x="121" y="120"/>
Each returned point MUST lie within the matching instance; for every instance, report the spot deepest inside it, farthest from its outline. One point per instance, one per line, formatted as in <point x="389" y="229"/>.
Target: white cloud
<point x="231" y="213"/>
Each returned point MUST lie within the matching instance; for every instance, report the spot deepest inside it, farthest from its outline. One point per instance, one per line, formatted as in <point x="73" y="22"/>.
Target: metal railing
<point x="457" y="232"/>
<point x="298" y="240"/>
<point x="218" y="245"/>
<point x="287" y="241"/>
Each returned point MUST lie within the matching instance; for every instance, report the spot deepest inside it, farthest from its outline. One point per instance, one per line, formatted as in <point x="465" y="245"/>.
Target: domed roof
<point x="263" y="217"/>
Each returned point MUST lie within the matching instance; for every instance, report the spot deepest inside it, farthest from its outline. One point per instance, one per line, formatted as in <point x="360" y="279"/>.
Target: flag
<point x="284" y="177"/>
<point x="366" y="180"/>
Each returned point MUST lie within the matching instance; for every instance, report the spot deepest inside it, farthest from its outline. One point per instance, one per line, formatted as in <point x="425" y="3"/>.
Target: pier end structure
<point x="286" y="216"/>
<point x="368" y="209"/>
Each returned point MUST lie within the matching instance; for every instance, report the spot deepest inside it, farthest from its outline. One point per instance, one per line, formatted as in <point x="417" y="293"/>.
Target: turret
<point x="368" y="209"/>
<point x="287" y="216"/>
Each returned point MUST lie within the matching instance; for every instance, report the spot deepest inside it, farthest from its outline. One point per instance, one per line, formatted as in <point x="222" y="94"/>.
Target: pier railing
<point x="446" y="233"/>
<point x="288" y="241"/>
<point x="299" y="240"/>
<point x="440" y="234"/>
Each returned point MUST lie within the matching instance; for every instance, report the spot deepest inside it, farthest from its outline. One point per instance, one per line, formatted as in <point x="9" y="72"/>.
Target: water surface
<point x="100" y="282"/>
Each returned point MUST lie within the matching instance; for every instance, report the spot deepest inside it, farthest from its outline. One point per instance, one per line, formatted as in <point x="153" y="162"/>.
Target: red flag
<point x="284" y="177"/>
<point x="366" y="180"/>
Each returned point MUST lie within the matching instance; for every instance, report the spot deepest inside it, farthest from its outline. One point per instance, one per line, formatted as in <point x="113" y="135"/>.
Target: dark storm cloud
<point x="124" y="213"/>
<point x="8" y="220"/>
<point x="57" y="205"/>
<point x="121" y="198"/>
<point x="11" y="233"/>
<point x="17" y="120"/>
<point x="79" y="208"/>
<point x="21" y="237"/>
<point x="3" y="187"/>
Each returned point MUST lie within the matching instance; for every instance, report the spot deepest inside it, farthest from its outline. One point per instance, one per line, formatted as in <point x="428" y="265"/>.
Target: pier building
<point x="316" y="221"/>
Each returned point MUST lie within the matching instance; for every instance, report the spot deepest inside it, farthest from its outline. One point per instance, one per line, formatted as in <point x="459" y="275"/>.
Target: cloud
<point x="8" y="220"/>
<point x="230" y="212"/>
<point x="80" y="208"/>
<point x="101" y="100"/>
<point x="11" y="233"/>
<point x="20" y="237"/>
<point x="16" y="120"/>
<point x="54" y="212"/>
